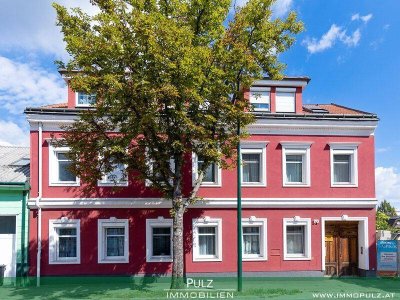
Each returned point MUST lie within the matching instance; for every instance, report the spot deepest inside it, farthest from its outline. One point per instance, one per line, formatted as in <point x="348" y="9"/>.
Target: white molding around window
<point x="261" y="223"/>
<point x="217" y="175"/>
<point x="102" y="235"/>
<point x="204" y="223"/>
<point x="54" y="167"/>
<point x="346" y="149"/>
<point x="260" y="97"/>
<point x="297" y="221"/>
<point x="256" y="147"/>
<point x="106" y="182"/>
<point x="54" y="240"/>
<point x="77" y="104"/>
<point x="297" y="148"/>
<point x="160" y="222"/>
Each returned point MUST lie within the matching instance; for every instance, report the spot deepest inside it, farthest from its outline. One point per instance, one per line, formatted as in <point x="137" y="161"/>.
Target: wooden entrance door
<point x="341" y="244"/>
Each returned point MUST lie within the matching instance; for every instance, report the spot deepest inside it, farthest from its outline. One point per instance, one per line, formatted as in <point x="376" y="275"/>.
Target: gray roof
<point x="14" y="163"/>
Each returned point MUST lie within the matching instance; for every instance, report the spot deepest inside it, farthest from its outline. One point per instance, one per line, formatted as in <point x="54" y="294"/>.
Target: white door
<point x="7" y="245"/>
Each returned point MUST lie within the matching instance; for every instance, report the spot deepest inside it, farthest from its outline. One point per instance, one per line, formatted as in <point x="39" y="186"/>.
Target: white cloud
<point x="365" y="18"/>
<point x="24" y="84"/>
<point x="31" y="25"/>
<point x="12" y="134"/>
<point x="334" y="34"/>
<point x="387" y="182"/>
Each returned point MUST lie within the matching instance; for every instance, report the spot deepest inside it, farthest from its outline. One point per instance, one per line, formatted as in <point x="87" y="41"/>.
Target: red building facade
<point x="308" y="193"/>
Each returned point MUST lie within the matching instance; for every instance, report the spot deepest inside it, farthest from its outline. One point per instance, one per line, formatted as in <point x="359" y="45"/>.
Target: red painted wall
<point x="137" y="240"/>
<point x="320" y="173"/>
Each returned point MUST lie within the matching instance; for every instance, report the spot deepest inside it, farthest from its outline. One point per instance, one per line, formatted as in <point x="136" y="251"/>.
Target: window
<point x="117" y="177"/>
<point x="286" y="100"/>
<point x="344" y="166"/>
<point x="59" y="165"/>
<point x="253" y="164"/>
<point x="212" y="175"/>
<point x="113" y="240"/>
<point x="159" y="240"/>
<point x="296" y="163"/>
<point x="260" y="98"/>
<point x="83" y="99"/>
<point x="64" y="241"/>
<point x="153" y="164"/>
<point x="254" y="239"/>
<point x="297" y="238"/>
<point x="207" y="239"/>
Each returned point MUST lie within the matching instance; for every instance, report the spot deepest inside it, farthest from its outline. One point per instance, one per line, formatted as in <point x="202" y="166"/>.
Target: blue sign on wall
<point x="387" y="255"/>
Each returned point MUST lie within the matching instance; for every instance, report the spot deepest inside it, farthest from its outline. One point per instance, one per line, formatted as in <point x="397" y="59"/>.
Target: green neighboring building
<point x="14" y="191"/>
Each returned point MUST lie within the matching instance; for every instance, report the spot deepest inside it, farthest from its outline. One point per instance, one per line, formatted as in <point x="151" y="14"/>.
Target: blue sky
<point x="349" y="49"/>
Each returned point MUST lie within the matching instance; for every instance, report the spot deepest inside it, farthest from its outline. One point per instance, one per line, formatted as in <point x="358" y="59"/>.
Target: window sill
<point x="210" y="185"/>
<point x="344" y="185"/>
<point x="113" y="261"/>
<point x="253" y="185"/>
<point x="296" y="185"/>
<point x="201" y="259"/>
<point x="64" y="184"/>
<point x="261" y="258"/>
<point x="65" y="262"/>
<point x="159" y="259"/>
<point x="297" y="258"/>
<point x="112" y="184"/>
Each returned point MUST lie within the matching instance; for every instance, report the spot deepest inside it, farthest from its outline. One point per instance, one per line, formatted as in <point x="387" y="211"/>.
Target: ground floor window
<point x="254" y="238"/>
<point x="207" y="239"/>
<point x="64" y="241"/>
<point x="113" y="241"/>
<point x="297" y="238"/>
<point x="158" y="240"/>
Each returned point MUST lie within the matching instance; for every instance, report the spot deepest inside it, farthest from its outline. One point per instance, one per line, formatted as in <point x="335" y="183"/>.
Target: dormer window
<point x="84" y="99"/>
<point x="286" y="100"/>
<point x="260" y="98"/>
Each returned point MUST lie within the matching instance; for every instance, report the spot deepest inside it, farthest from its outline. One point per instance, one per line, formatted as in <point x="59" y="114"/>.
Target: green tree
<point x="386" y="208"/>
<point x="168" y="75"/>
<point x="382" y="221"/>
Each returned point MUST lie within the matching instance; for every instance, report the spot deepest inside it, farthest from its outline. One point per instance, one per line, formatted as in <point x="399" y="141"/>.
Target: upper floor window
<point x="117" y="176"/>
<point x="260" y="98"/>
<point x="84" y="99"/>
<point x="113" y="241"/>
<point x="64" y="241"/>
<point x="158" y="240"/>
<point x="296" y="163"/>
<point x="344" y="164"/>
<point x="212" y="175"/>
<point x="253" y="164"/>
<point x="285" y="100"/>
<point x="59" y="167"/>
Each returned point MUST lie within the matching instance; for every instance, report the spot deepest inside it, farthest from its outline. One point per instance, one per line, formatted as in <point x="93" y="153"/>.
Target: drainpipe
<point x="39" y="226"/>
<point x="24" y="196"/>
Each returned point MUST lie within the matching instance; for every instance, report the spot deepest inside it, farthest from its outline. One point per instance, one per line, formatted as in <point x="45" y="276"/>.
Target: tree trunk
<point x="178" y="251"/>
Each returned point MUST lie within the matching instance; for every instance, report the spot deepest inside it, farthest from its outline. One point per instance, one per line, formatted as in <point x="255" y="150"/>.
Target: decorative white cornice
<point x="81" y="203"/>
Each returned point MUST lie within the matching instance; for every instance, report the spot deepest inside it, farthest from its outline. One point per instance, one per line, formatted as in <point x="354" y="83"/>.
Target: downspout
<point x="23" y="232"/>
<point x="39" y="225"/>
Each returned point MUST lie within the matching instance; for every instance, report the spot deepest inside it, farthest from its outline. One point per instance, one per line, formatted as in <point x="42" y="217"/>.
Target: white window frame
<point x="55" y="224"/>
<point x="346" y="149"/>
<point x="297" y="148"/>
<point x="81" y="105"/>
<point x="255" y="148"/>
<point x="256" y="222"/>
<point x="285" y="90"/>
<point x="53" y="168"/>
<point x="150" y="162"/>
<point x="105" y="182"/>
<point x="150" y="224"/>
<point x="207" y="222"/>
<point x="102" y="257"/>
<point x="218" y="173"/>
<point x="260" y="89"/>
<point x="296" y="221"/>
